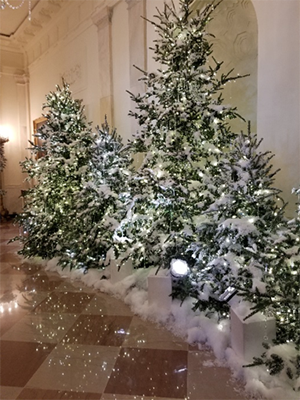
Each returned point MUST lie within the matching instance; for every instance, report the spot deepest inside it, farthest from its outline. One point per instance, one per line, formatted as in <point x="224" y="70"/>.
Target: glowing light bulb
<point x="179" y="268"/>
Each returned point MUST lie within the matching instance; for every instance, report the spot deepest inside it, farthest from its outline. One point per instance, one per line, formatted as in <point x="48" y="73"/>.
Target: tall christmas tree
<point x="282" y="279"/>
<point x="283" y="282"/>
<point x="231" y="249"/>
<point x="279" y="296"/>
<point x="183" y="130"/>
<point x="56" y="177"/>
<point x="101" y="198"/>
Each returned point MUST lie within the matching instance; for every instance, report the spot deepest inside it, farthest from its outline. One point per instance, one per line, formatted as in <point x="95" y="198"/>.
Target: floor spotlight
<point x="179" y="268"/>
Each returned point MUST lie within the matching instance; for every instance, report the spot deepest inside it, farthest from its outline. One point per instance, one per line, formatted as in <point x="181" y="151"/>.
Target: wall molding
<point x="132" y="3"/>
<point x="103" y="17"/>
<point x="73" y="74"/>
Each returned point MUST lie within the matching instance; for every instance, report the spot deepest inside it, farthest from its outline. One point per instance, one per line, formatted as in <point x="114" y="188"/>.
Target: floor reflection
<point x="61" y="340"/>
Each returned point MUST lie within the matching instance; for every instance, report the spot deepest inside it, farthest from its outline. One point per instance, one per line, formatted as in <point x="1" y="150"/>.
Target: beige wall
<point x="14" y="119"/>
<point x="94" y="44"/>
<point x="74" y="56"/>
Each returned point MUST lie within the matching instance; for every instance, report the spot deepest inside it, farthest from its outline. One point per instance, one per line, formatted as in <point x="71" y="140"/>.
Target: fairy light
<point x="12" y="305"/>
<point x="5" y="3"/>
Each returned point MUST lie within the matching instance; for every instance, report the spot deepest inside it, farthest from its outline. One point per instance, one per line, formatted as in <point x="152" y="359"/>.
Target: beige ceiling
<point x="11" y="20"/>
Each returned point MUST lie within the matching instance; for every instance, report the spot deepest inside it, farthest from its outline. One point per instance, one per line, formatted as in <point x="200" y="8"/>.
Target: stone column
<point x="278" y="94"/>
<point x="103" y="19"/>
<point x="137" y="41"/>
<point x="3" y="211"/>
<point x="25" y="125"/>
<point x="137" y="51"/>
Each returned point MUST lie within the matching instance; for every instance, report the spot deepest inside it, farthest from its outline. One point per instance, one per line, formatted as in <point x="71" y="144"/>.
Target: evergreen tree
<point x="102" y="197"/>
<point x="56" y="177"/>
<point x="183" y="130"/>
<point x="280" y="297"/>
<point x="2" y="155"/>
<point x="3" y="160"/>
<point x="233" y="242"/>
<point x="283" y="282"/>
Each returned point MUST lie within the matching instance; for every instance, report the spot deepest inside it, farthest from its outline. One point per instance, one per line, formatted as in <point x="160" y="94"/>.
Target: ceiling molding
<point x="7" y="44"/>
<point x="12" y="71"/>
<point x="42" y="15"/>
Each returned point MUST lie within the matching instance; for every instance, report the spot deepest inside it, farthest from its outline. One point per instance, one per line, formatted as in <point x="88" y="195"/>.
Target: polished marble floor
<point x="62" y="340"/>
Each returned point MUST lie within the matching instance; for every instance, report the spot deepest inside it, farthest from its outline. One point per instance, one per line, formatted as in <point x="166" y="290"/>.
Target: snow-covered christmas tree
<point x="183" y="131"/>
<point x="231" y="248"/>
<point x="282" y="280"/>
<point x="56" y="177"/>
<point x="101" y="198"/>
<point x="3" y="160"/>
<point x="279" y="296"/>
<point x="2" y="155"/>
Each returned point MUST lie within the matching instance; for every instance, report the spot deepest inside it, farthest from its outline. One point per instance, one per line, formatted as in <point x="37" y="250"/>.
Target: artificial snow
<point x="244" y="226"/>
<point x="194" y="327"/>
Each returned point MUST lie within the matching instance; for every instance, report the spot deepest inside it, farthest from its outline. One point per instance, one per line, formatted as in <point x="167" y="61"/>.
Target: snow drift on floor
<point x="194" y="327"/>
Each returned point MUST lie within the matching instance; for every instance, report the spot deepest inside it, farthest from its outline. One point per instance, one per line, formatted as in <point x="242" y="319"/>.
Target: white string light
<point x="6" y="2"/>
